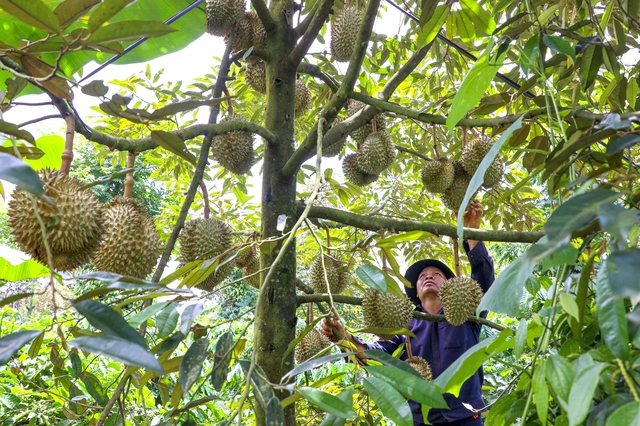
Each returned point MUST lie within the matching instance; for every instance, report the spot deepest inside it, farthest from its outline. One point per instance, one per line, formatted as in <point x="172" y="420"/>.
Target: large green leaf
<point x="69" y="11"/>
<point x="611" y="317"/>
<point x="560" y="45"/>
<point x="387" y="359"/>
<point x="167" y="320"/>
<point x="221" y="361"/>
<point x="188" y="316"/>
<point x="52" y="145"/>
<point x="330" y="420"/>
<point x="327" y="402"/>
<point x="262" y="389"/>
<point x="105" y="11"/>
<point x="109" y="321"/>
<point x="581" y="394"/>
<point x="20" y="173"/>
<point x="432" y="27"/>
<point x="415" y="388"/>
<point x="274" y="414"/>
<point x="191" y="364"/>
<point x="483" y="22"/>
<point x="119" y="349"/>
<point x="559" y="374"/>
<point x="623" y="271"/>
<point x="16" y="266"/>
<point x="390" y="401"/>
<point x="174" y="144"/>
<point x="146" y="313"/>
<point x="129" y="30"/>
<point x="505" y="293"/>
<point x="14" y="130"/>
<point x="540" y="393"/>
<point x="618" y="221"/>
<point x="313" y="363"/>
<point x="372" y="276"/>
<point x="627" y="415"/>
<point x="33" y="12"/>
<point x="11" y="343"/>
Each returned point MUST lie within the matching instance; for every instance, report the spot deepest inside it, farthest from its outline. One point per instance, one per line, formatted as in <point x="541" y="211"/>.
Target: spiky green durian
<point x="234" y="150"/>
<point x="259" y="37"/>
<point x="473" y="154"/>
<point x="344" y="33"/>
<point x="494" y="173"/>
<point x="437" y="175"/>
<point x="361" y="133"/>
<point x="302" y="99"/>
<point x="73" y="226"/>
<point x="381" y="310"/>
<point x="353" y="173"/>
<point x="334" y="268"/>
<point x="460" y="297"/>
<point x="222" y="15"/>
<point x="242" y="33"/>
<point x="312" y="343"/>
<point x="376" y="153"/>
<point x="249" y="273"/>
<point x="204" y="239"/>
<point x="256" y="75"/>
<point x="130" y="244"/>
<point x="336" y="147"/>
<point x="453" y="196"/>
<point x="422" y="366"/>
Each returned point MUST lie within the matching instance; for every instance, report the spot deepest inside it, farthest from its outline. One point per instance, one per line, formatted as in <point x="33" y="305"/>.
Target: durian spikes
<point x="381" y="310"/>
<point x="310" y="345"/>
<point x="460" y="297"/>
<point x="437" y="175"/>
<point x="421" y="366"/>
<point x="336" y="276"/>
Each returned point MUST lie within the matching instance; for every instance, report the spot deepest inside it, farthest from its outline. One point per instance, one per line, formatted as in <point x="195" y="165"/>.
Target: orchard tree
<point x="547" y="89"/>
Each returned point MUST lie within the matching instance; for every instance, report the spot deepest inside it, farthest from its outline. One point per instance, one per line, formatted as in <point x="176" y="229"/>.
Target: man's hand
<point x="473" y="215"/>
<point x="328" y="331"/>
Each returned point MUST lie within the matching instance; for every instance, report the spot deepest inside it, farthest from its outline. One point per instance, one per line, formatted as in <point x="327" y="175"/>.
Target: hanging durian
<point x="421" y="366"/>
<point x="381" y="310"/>
<point x="249" y="273"/>
<point x="312" y="343"/>
<point x="344" y="33"/>
<point x="222" y="15"/>
<point x="437" y="175"/>
<point x="130" y="245"/>
<point x="334" y="268"/>
<point x="361" y="133"/>
<point x="73" y="226"/>
<point x="336" y="147"/>
<point x="474" y="153"/>
<point x="256" y="75"/>
<point x="353" y="173"/>
<point x="242" y="33"/>
<point x="376" y="153"/>
<point x="453" y="196"/>
<point x="302" y="99"/>
<point x="460" y="297"/>
<point x="234" y="150"/>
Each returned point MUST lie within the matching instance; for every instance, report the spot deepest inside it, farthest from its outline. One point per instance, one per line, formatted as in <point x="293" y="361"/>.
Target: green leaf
<point x="329" y="403"/>
<point x="567" y="256"/>
<point x="521" y="338"/>
<point x="129" y="30"/>
<point x="95" y="389"/>
<point x="120" y="350"/>
<point x="623" y="271"/>
<point x="69" y="11"/>
<point x="482" y="21"/>
<point x="169" y="344"/>
<point x="52" y="146"/>
<point x="146" y="313"/>
<point x="478" y="176"/>
<point x="313" y="363"/>
<point x="590" y="62"/>
<point x="627" y="415"/>
<point x="183" y="106"/>
<point x="569" y="305"/>
<point x="581" y="394"/>
<point x="224" y="345"/>
<point x="387" y="359"/>
<point x="167" y="320"/>
<point x="530" y="53"/>
<point x="11" y="343"/>
<point x="452" y="379"/>
<point x="300" y="336"/>
<point x="473" y="87"/>
<point x="16" y="266"/>
<point x="390" y="401"/>
<point x="559" y="375"/>
<point x="191" y="364"/>
<point x="505" y="293"/>
<point x="540" y="394"/>
<point x="95" y="88"/>
<point x="20" y="173"/>
<point x="262" y="390"/>
<point x="109" y="321"/>
<point x="174" y="144"/>
<point x="189" y="315"/>
<point x="76" y="363"/>
<point x="560" y="45"/>
<point x="372" y="276"/>
<point x="415" y="388"/>
<point x="622" y="143"/>
<point x="430" y="30"/>
<point x="33" y="12"/>
<point x="611" y="317"/>
<point x="274" y="413"/>
<point x="618" y="221"/>
<point x="105" y="11"/>
<point x="330" y="420"/>
<point x="13" y="130"/>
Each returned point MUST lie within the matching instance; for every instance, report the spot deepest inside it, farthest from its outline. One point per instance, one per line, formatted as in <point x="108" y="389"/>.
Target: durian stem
<point x="407" y="345"/>
<point x="456" y="256"/>
<point x="128" y="180"/>
<point x="464" y="137"/>
<point x="435" y="141"/>
<point x="205" y="199"/>
<point x="328" y="240"/>
<point x="67" y="154"/>
<point x="309" y="312"/>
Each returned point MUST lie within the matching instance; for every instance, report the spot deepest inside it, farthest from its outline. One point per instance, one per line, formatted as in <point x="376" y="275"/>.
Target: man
<point x="439" y="343"/>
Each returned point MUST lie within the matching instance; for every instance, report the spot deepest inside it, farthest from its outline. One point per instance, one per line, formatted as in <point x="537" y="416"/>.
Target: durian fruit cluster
<point x="310" y="345"/>
<point x="380" y="310"/>
<point x="118" y="237"/>
<point x="337" y="275"/>
<point x="376" y="150"/>
<point x="460" y="297"/>
<point x="451" y="179"/>
<point x="344" y="33"/>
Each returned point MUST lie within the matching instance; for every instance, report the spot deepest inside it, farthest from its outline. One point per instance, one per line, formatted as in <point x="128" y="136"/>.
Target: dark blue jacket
<point x="441" y="344"/>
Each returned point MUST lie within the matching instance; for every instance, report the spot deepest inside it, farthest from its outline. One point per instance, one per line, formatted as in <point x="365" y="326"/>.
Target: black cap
<point x="413" y="273"/>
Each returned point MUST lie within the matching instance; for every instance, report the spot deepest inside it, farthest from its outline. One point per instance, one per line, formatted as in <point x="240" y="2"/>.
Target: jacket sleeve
<point x="388" y="346"/>
<point x="481" y="265"/>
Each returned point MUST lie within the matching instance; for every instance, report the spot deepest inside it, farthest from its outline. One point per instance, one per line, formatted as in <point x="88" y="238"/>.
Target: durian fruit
<point x="344" y="33"/>
<point x="335" y="275"/>
<point x="244" y="258"/>
<point x="249" y="270"/>
<point x="73" y="226"/>
<point x="256" y="75"/>
<point x="203" y="239"/>
<point x="381" y="310"/>
<point x="242" y="33"/>
<point x="437" y="175"/>
<point x="222" y="15"/>
<point x="460" y="297"/>
<point x="234" y="150"/>
<point x="312" y="343"/>
<point x="376" y="153"/>
<point x="361" y="133"/>
<point x="473" y="154"/>
<point x="453" y="196"/>
<point x="302" y="99"/>
<point x="494" y="173"/>
<point x="130" y="245"/>
<point x="336" y="147"/>
<point x="259" y="36"/>
<point x="353" y="173"/>
<point x="421" y="366"/>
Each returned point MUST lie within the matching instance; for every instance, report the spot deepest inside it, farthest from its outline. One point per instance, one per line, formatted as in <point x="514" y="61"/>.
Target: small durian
<point x="353" y="173"/>
<point x="460" y="297"/>
<point x="73" y="226"/>
<point x="234" y="150"/>
<point x="246" y="257"/>
<point x="256" y="75"/>
<point x="334" y="268"/>
<point x="336" y="147"/>
<point x="381" y="310"/>
<point x="130" y="244"/>
<point x="422" y="366"/>
<point x="222" y="15"/>
<point x="376" y="153"/>
<point x="453" y="196"/>
<point x="312" y="343"/>
<point x="204" y="239"/>
<point x="302" y="99"/>
<point x="437" y="175"/>
<point x="344" y="33"/>
<point x="361" y="133"/>
<point x="249" y="273"/>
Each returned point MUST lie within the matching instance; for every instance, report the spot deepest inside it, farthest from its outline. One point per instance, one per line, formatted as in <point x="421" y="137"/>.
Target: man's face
<point x="429" y="281"/>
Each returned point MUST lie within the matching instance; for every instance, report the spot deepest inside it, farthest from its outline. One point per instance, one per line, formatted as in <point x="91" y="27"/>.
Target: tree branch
<point x="304" y="25"/>
<point x="263" y="13"/>
<point x="316" y="298"/>
<point x="376" y="223"/>
<point x="316" y="24"/>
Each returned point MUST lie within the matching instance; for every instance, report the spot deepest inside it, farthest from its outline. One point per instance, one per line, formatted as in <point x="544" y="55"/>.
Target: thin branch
<point x="319" y="18"/>
<point x="315" y="71"/>
<point x="349" y="300"/>
<point x="39" y="119"/>
<point x="263" y="13"/>
<point x="412" y="152"/>
<point x="302" y="26"/>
